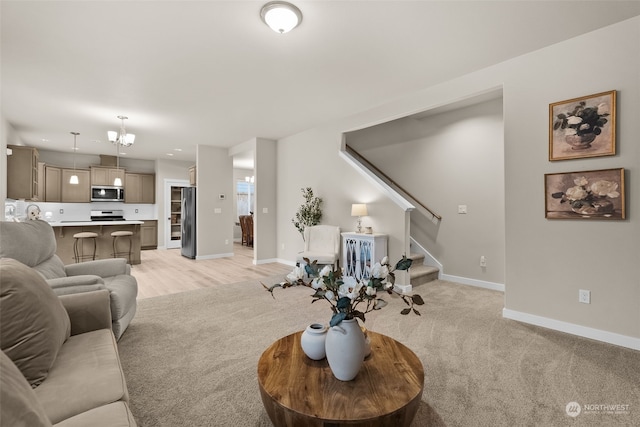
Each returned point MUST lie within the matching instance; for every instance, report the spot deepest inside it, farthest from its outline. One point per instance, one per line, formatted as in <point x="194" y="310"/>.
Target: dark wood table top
<point x="299" y="391"/>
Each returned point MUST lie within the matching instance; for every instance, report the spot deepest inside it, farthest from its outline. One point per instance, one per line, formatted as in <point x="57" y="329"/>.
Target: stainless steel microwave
<point x="107" y="194"/>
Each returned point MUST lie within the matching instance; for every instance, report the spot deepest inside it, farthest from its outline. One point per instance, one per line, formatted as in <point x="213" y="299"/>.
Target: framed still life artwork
<point x="583" y="127"/>
<point x="597" y="194"/>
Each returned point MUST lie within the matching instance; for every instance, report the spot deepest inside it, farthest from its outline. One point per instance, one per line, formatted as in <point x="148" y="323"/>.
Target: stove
<point x="114" y="215"/>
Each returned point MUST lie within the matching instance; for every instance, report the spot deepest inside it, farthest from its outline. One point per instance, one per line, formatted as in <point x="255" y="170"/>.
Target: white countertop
<point x="89" y="223"/>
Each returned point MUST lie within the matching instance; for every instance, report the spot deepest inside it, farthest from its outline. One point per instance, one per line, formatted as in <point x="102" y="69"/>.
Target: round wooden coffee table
<point x="297" y="391"/>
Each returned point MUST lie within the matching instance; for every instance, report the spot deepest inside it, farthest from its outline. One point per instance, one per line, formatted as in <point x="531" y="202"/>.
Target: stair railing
<point x="397" y="187"/>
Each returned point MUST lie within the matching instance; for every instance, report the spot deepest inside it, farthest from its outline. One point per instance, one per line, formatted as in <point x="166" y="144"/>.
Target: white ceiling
<point x="210" y="72"/>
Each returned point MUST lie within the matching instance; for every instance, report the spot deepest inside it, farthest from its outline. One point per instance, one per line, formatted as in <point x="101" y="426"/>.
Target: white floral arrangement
<point x="347" y="294"/>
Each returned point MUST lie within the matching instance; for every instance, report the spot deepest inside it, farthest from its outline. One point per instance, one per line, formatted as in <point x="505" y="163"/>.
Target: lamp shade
<point x="359" y="209"/>
<point x="112" y="135"/>
<point x="281" y="16"/>
<point x="74" y="179"/>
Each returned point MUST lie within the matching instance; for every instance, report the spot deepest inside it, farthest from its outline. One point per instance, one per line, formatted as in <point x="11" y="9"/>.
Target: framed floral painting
<point x="595" y="194"/>
<point x="583" y="127"/>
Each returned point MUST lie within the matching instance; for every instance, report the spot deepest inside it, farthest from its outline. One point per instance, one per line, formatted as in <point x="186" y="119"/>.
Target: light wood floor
<point x="165" y="272"/>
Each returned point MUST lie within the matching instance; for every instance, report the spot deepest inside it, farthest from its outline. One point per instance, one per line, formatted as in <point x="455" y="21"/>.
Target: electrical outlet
<point x="226" y="241"/>
<point x="462" y="209"/>
<point x="584" y="296"/>
<point x="483" y="261"/>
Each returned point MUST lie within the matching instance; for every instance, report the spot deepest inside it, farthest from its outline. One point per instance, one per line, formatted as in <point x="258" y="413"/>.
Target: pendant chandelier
<point x="123" y="138"/>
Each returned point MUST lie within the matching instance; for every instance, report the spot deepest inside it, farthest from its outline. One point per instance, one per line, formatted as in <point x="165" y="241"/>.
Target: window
<point x="244" y="190"/>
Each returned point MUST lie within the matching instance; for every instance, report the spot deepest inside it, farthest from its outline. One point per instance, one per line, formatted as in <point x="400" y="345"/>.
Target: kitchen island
<point x="64" y="231"/>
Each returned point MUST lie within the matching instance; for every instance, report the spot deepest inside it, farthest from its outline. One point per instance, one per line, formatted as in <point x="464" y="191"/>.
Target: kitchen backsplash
<point x="78" y="211"/>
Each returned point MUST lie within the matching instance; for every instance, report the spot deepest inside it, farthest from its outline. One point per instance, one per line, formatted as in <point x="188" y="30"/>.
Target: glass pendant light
<point x="74" y="178"/>
<point x="117" y="182"/>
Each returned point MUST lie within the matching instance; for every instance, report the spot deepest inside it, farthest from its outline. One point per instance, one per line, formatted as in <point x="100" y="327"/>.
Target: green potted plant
<point x="309" y="213"/>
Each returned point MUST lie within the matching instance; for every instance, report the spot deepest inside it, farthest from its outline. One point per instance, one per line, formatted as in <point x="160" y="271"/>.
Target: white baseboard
<point x="473" y="282"/>
<point x="214" y="256"/>
<point x="403" y="289"/>
<point x="285" y="262"/>
<point x="265" y="261"/>
<point x="573" y="329"/>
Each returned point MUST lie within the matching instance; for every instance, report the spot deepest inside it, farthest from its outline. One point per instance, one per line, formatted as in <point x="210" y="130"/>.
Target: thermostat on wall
<point x="221" y="196"/>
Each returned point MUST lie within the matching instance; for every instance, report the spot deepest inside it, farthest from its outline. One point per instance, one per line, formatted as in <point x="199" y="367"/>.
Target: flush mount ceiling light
<point x="281" y="16"/>
<point x="123" y="138"/>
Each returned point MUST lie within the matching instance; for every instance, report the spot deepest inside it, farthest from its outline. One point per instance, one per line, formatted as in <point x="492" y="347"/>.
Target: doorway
<point x="173" y="212"/>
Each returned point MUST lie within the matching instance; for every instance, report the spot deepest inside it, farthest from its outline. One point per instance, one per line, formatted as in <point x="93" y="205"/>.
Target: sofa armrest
<point x="103" y="267"/>
<point x="88" y="311"/>
<point x="76" y="284"/>
<point x="70" y="281"/>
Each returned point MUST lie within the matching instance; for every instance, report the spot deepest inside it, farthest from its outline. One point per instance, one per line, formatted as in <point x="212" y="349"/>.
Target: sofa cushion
<point x="113" y="415"/>
<point x="87" y="373"/>
<point x="30" y="242"/>
<point x="20" y="407"/>
<point x="33" y="322"/>
<point x="52" y="268"/>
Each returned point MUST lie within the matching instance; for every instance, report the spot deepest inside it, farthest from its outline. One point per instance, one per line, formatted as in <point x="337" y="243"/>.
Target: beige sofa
<point x="33" y="243"/>
<point x="59" y="360"/>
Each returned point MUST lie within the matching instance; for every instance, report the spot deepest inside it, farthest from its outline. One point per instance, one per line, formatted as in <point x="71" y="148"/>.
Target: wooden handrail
<point x="390" y="181"/>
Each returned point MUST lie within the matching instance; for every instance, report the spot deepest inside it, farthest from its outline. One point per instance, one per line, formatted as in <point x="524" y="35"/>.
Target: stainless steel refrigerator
<point x="188" y="222"/>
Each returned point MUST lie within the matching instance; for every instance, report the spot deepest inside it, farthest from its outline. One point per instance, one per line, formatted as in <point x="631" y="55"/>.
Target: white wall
<point x="214" y="217"/>
<point x="546" y="261"/>
<point x="265" y="212"/>
<point x="311" y="159"/>
<point x="450" y="159"/>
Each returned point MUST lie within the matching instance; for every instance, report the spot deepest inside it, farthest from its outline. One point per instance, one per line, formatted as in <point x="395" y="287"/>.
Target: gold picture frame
<point x="597" y="194"/>
<point x="583" y="127"/>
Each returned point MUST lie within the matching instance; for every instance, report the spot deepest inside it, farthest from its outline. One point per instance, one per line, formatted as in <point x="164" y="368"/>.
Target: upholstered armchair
<point x="322" y="244"/>
<point x="33" y="243"/>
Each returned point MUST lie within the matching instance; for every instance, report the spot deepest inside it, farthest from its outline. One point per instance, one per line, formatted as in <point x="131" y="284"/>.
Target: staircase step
<point x="417" y="259"/>
<point x="421" y="274"/>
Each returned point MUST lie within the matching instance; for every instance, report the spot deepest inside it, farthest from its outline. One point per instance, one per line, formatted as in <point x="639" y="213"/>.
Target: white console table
<point x="361" y="251"/>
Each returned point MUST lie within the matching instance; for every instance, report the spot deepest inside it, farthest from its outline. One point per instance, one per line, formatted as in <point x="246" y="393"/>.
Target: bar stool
<point x="115" y="236"/>
<point x="79" y="238"/>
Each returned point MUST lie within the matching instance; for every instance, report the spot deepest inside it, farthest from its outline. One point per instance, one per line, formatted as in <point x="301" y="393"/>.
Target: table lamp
<point x="359" y="210"/>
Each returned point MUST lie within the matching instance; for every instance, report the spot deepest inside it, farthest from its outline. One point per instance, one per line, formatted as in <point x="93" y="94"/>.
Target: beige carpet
<point x="190" y="359"/>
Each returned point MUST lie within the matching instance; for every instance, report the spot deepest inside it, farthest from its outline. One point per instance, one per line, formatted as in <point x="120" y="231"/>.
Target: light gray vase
<point x="345" y="349"/>
<point x="312" y="341"/>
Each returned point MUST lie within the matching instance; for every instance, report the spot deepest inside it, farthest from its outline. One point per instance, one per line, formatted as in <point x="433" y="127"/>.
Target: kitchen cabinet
<point x="101" y="175"/>
<point x="22" y="173"/>
<point x="149" y="235"/>
<point x="76" y="193"/>
<point x="139" y="188"/>
<point x="52" y="184"/>
<point x="360" y="252"/>
<point x="41" y="167"/>
<point x="192" y="175"/>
